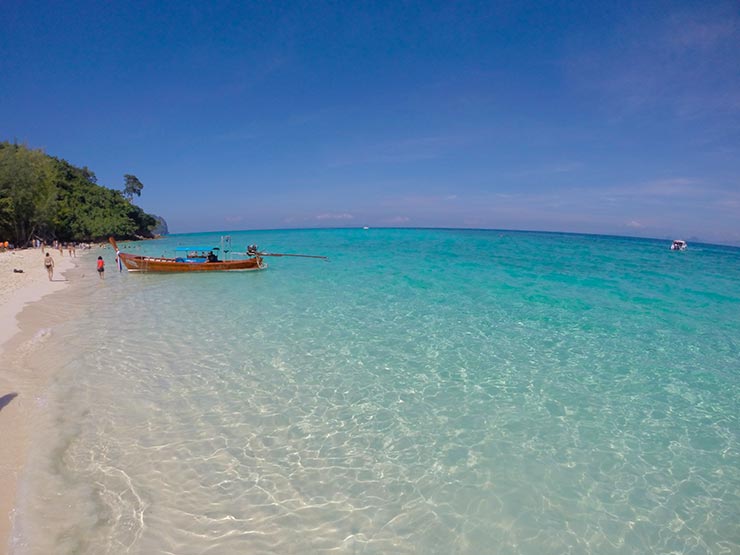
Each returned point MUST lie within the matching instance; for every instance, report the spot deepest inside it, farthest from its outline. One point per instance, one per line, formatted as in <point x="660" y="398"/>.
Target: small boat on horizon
<point x="198" y="259"/>
<point x="678" y="245"/>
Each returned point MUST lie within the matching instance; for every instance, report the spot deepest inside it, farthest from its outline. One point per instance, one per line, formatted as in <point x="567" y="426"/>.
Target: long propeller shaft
<point x="326" y="258"/>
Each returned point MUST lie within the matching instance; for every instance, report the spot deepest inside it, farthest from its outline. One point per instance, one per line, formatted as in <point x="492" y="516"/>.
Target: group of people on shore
<point x="49" y="265"/>
<point x="47" y="250"/>
<point x="71" y="248"/>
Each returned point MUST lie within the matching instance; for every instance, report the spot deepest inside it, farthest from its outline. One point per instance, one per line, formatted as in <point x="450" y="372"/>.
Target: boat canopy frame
<point x="197" y="248"/>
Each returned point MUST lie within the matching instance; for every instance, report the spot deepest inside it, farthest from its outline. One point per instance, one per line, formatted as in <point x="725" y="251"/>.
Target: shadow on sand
<point x="6" y="399"/>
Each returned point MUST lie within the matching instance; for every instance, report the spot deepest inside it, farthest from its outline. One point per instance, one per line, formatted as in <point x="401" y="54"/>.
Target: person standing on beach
<point x="101" y="267"/>
<point x="49" y="265"/>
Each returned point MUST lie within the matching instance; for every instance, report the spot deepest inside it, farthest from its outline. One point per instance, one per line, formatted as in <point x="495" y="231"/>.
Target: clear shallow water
<point x="427" y="391"/>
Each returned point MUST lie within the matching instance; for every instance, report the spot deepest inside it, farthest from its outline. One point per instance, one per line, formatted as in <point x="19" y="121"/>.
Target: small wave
<point x="39" y="338"/>
<point x="41" y="335"/>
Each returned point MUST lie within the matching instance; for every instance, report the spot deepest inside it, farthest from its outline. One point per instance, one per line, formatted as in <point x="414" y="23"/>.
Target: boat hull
<point x="137" y="263"/>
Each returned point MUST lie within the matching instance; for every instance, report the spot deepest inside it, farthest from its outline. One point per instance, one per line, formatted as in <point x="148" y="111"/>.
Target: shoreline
<point x="18" y="292"/>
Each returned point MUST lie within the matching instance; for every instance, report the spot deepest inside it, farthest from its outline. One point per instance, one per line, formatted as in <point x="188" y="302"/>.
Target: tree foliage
<point x="27" y="197"/>
<point x="132" y="186"/>
<point x="42" y="196"/>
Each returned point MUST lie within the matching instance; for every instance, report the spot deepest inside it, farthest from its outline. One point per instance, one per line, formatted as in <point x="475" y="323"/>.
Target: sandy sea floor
<point x="543" y="394"/>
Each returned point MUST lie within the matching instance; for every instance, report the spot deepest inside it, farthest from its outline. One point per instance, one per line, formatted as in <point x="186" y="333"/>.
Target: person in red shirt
<point x="101" y="267"/>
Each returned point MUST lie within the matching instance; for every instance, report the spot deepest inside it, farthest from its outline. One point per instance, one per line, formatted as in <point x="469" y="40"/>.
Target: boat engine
<point x="252" y="250"/>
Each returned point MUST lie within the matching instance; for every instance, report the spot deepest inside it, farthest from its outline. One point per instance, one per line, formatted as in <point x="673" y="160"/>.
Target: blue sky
<point x="614" y="117"/>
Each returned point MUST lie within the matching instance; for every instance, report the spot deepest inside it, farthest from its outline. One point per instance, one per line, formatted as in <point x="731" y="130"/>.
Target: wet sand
<point x="18" y="290"/>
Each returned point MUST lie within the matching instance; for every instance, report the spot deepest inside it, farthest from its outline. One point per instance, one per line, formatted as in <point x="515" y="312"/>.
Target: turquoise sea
<point x="425" y="391"/>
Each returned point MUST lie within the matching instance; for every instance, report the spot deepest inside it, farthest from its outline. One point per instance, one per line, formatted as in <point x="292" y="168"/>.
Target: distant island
<point x="48" y="199"/>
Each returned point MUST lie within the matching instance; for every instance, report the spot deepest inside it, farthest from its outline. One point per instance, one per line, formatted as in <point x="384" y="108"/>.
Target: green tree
<point x="27" y="192"/>
<point x="132" y="186"/>
<point x="50" y="198"/>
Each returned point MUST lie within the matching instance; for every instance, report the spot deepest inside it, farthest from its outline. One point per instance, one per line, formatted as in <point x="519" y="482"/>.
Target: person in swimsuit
<point x="101" y="267"/>
<point x="49" y="265"/>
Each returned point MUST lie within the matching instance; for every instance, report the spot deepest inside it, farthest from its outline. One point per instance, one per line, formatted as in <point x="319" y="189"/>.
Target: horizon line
<point x="695" y="240"/>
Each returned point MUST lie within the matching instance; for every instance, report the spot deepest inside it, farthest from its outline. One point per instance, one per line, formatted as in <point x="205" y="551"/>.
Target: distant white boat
<point x="365" y="227"/>
<point x="678" y="245"/>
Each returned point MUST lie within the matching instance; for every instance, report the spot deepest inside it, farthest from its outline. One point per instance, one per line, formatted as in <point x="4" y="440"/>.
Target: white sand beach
<point x="23" y="280"/>
<point x="20" y="288"/>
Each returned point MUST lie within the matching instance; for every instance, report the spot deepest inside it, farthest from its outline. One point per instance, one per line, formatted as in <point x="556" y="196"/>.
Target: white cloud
<point x="687" y="31"/>
<point x="335" y="216"/>
<point x="421" y="201"/>
<point x="685" y="63"/>
<point x="672" y="187"/>
<point x="547" y="170"/>
<point x="399" y="151"/>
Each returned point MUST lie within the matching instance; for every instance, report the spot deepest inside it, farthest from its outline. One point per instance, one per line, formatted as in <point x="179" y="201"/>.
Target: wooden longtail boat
<point x="192" y="262"/>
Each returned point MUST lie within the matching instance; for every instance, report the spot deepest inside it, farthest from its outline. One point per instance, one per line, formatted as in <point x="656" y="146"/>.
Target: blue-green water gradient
<point x="425" y="391"/>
